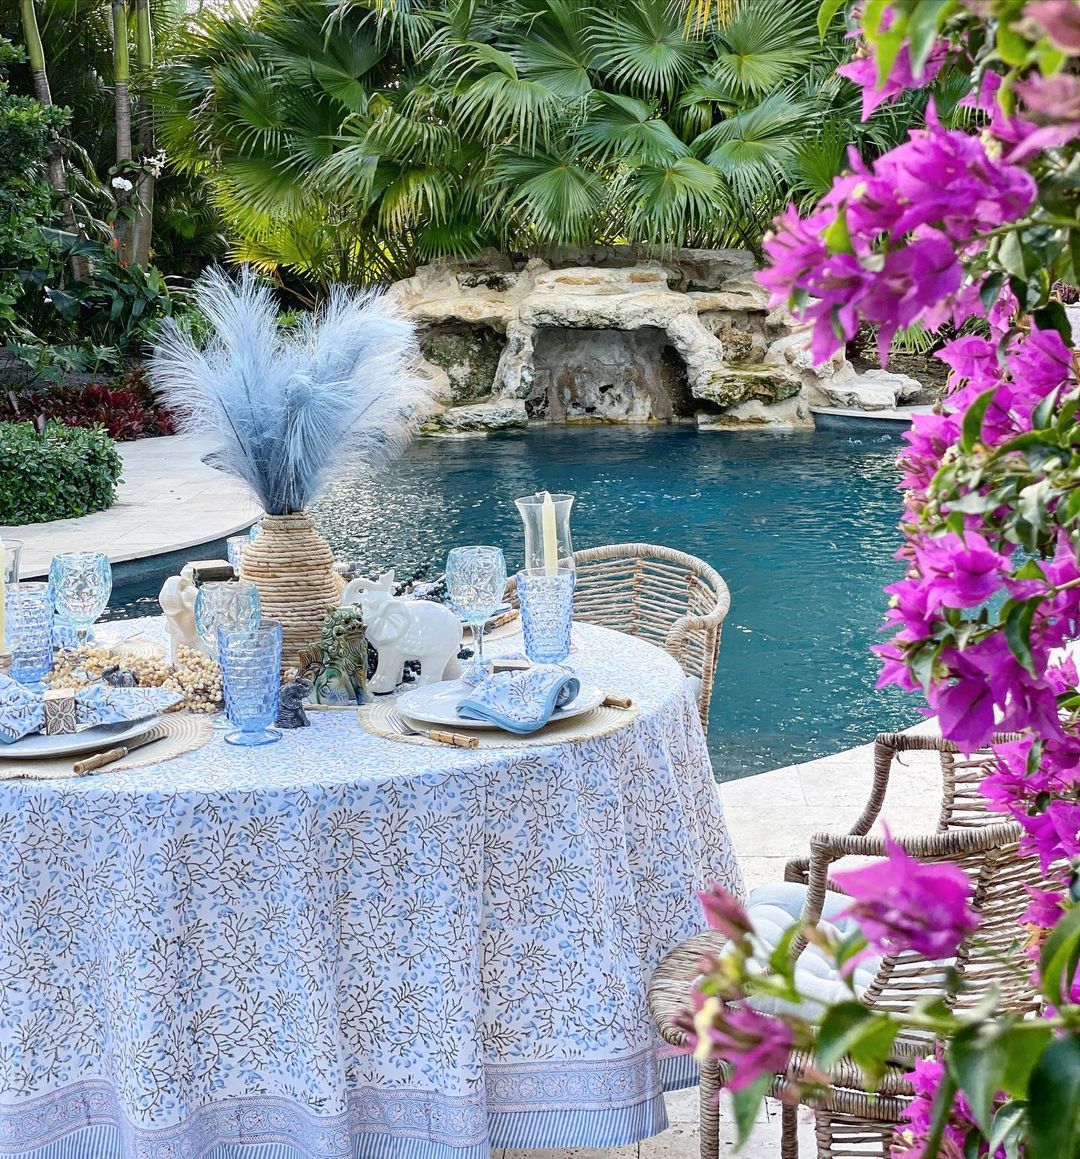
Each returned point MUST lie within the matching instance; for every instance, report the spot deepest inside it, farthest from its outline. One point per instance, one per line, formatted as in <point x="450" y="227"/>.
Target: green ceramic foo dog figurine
<point x="337" y="663"/>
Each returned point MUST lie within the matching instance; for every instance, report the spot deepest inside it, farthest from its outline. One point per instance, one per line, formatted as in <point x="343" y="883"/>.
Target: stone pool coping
<point x="169" y="500"/>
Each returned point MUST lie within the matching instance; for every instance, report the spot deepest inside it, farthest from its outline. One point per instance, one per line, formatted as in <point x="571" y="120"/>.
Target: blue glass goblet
<point x="81" y="583"/>
<point x="29" y="632"/>
<point x="251" y="672"/>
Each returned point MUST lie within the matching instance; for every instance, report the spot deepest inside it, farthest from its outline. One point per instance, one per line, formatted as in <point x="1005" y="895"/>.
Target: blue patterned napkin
<point x="22" y="711"/>
<point x="521" y="701"/>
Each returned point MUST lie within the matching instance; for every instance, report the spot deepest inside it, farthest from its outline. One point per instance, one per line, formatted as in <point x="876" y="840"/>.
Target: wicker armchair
<point x="851" y="1120"/>
<point x="672" y="599"/>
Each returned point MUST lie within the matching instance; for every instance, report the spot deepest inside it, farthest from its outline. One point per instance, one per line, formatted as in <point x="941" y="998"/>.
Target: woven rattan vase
<point x="291" y="565"/>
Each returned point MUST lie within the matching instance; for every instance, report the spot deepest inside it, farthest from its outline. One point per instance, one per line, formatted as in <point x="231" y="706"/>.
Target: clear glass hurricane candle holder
<point x="29" y="632"/>
<point x="531" y="510"/>
<point x="251" y="672"/>
<point x="81" y="583"/>
<point x="547" y="612"/>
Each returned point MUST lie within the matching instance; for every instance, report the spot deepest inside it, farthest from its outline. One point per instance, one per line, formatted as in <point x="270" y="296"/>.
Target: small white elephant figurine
<point x="177" y="600"/>
<point x="409" y="630"/>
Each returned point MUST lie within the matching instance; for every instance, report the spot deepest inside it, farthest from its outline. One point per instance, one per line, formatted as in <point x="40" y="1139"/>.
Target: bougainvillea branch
<point x="973" y="224"/>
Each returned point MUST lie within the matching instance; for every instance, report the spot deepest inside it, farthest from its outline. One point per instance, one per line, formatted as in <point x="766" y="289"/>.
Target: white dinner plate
<point x="437" y="704"/>
<point x="69" y="744"/>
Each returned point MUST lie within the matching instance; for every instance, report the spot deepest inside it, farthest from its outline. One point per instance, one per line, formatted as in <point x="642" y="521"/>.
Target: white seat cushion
<point x="773" y="909"/>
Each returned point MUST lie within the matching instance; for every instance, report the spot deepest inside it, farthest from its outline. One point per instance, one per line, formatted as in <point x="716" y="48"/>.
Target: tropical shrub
<point x="26" y="131"/>
<point x="951" y="225"/>
<point x="93" y="324"/>
<point x="59" y="473"/>
<point x="352" y="146"/>
<point x="127" y="410"/>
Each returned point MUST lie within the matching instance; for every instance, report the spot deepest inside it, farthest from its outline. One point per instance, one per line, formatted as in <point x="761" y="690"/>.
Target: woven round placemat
<point x="379" y="719"/>
<point x="175" y="734"/>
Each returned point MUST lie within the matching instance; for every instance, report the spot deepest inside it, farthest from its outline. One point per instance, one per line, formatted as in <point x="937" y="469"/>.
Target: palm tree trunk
<point x="122" y="97"/>
<point x="57" y="161"/>
<point x="144" y="186"/>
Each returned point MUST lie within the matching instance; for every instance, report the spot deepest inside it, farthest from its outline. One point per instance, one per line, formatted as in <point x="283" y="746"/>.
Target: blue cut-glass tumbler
<point x="29" y="632"/>
<point x="250" y="662"/>
<point x="547" y="611"/>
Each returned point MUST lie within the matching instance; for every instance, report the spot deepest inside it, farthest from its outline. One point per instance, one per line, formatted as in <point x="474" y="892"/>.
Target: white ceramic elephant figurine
<point x="403" y="630"/>
<point x="177" y="600"/>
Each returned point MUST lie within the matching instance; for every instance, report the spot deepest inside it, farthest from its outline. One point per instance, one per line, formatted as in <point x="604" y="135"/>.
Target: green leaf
<point x="1007" y="1129"/>
<point x="976" y="1058"/>
<point x="1018" y="632"/>
<point x="839" y="1028"/>
<point x="838" y="237"/>
<point x="1012" y="256"/>
<point x="922" y="31"/>
<point x="1024" y="1043"/>
<point x="1053" y="1112"/>
<point x="1011" y="46"/>
<point x="746" y="1103"/>
<point x="1052" y="316"/>
<point x="972" y="428"/>
<point x="826" y="12"/>
<point x="1059" y="956"/>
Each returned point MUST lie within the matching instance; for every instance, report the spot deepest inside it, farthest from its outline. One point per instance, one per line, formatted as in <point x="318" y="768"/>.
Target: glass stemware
<point x="475" y="587"/>
<point x="81" y="583"/>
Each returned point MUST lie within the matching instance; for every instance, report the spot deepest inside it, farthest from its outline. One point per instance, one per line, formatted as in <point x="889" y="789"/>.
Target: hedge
<point x="65" y="472"/>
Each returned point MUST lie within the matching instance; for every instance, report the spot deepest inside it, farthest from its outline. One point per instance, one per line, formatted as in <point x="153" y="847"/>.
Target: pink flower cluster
<point x="887" y="245"/>
<point x="901" y="904"/>
<point x="925" y="1080"/>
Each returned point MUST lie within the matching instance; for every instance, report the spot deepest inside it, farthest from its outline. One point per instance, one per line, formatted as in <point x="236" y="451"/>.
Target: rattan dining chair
<point x="850" y="1119"/>
<point x="667" y="597"/>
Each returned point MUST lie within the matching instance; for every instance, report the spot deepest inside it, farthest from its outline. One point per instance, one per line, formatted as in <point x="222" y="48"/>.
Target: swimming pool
<point x="801" y="526"/>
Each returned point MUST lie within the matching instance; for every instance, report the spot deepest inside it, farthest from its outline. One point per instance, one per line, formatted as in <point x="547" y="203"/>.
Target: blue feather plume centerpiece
<point x="288" y="408"/>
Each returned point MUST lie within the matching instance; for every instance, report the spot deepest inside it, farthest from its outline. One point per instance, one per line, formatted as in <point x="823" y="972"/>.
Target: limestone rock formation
<point x="609" y="335"/>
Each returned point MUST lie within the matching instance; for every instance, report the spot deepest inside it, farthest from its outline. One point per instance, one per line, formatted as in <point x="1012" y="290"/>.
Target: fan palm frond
<point x="556" y="197"/>
<point x="765" y="45"/>
<point x="646" y="46"/>
<point x="621" y="126"/>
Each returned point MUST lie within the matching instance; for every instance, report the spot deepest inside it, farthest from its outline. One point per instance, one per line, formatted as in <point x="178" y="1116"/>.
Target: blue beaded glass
<point x="251" y="672"/>
<point x="29" y="614"/>
<point x="547" y="611"/>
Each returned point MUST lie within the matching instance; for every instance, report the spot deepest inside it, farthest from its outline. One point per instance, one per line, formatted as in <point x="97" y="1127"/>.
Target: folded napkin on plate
<point x="22" y="710"/>
<point x="521" y="701"/>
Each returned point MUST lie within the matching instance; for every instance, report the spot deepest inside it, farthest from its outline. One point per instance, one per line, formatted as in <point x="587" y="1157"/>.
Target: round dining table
<point x="347" y="946"/>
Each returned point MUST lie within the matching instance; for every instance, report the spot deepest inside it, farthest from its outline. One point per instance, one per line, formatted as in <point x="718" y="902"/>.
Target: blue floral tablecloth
<point x="344" y="947"/>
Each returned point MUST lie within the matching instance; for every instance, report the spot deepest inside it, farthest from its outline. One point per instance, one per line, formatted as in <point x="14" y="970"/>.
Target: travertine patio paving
<point x="169" y="500"/>
<point x="772" y="817"/>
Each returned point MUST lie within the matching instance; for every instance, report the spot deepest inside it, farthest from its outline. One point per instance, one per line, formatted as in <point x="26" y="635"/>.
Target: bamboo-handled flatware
<point x="111" y="756"/>
<point x="457" y="739"/>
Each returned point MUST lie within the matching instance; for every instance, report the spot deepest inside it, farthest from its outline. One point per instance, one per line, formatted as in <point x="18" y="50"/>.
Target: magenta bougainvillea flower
<point x="1060" y="20"/>
<point x="751" y="1044"/>
<point x="901" y="903"/>
<point x="887" y="244"/>
<point x="724" y="913"/>
<point x="862" y="71"/>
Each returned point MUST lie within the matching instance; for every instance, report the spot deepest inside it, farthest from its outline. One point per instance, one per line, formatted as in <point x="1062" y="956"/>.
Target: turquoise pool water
<point x="802" y="527"/>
